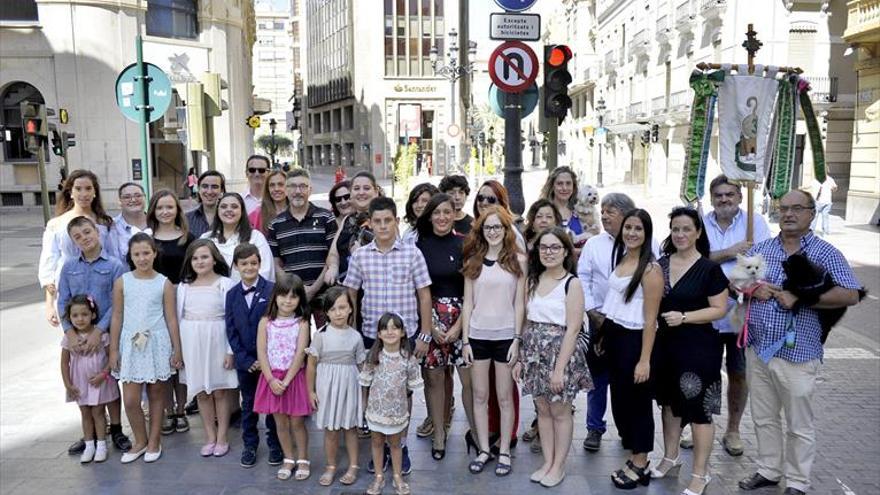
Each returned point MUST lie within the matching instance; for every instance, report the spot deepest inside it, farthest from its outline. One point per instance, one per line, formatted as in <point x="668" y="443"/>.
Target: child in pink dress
<point x="282" y="391"/>
<point x="87" y="376"/>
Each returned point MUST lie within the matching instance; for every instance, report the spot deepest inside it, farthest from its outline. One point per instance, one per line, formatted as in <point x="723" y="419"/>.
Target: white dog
<point x="587" y="212"/>
<point x="748" y="271"/>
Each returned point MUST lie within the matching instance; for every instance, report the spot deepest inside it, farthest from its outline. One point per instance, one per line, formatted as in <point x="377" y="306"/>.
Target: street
<point x="36" y="425"/>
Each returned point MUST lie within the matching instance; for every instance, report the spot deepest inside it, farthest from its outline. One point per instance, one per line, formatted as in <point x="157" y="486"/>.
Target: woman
<point x="561" y="189"/>
<point x="340" y="201"/>
<point x="165" y="218"/>
<point x="635" y="287"/>
<point x="80" y="196"/>
<point x="442" y="249"/>
<point x="492" y="316"/>
<point x="491" y="193"/>
<point x="231" y="228"/>
<point x="688" y="348"/>
<point x="553" y="366"/>
<point x="415" y="205"/>
<point x="274" y="201"/>
<point x="355" y="230"/>
<point x="131" y="220"/>
<point x="542" y="215"/>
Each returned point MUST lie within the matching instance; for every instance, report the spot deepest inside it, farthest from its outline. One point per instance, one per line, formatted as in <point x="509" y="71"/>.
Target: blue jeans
<point x="247" y="383"/>
<point x="597" y="402"/>
<point x="823" y="210"/>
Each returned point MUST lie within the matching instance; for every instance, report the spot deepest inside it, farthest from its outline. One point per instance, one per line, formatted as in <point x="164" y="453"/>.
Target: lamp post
<point x="272" y="125"/>
<point x="600" y="111"/>
<point x="533" y="143"/>
<point x="452" y="70"/>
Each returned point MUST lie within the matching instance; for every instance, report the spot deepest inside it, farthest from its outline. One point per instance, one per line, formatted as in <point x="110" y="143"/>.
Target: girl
<point x="192" y="183"/>
<point x="391" y="373"/>
<point x="282" y="338"/>
<point x="415" y="206"/>
<point x="208" y="372"/>
<point x="334" y="393"/>
<point x="87" y="376"/>
<point x="231" y="227"/>
<point x="144" y="343"/>
<point x="274" y="201"/>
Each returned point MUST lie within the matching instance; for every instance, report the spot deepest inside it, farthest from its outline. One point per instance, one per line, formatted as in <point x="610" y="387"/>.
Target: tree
<point x="283" y="144"/>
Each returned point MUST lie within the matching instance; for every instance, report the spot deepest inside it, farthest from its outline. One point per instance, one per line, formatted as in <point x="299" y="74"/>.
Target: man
<point x="456" y="186"/>
<point x="300" y="238"/>
<point x="212" y="185"/>
<point x="823" y="192"/>
<point x="131" y="220"/>
<point x="256" y="168"/>
<point x="726" y="229"/>
<point x="785" y="349"/>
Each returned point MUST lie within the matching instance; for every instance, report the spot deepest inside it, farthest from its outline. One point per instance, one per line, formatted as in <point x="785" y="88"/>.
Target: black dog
<point x="808" y="281"/>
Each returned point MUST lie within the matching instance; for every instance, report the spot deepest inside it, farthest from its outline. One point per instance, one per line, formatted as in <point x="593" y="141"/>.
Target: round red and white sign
<point x="513" y="66"/>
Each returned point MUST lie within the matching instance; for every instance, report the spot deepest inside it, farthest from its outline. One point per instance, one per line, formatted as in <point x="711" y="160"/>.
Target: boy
<point x="395" y="278"/>
<point x="93" y="274"/>
<point x="246" y="303"/>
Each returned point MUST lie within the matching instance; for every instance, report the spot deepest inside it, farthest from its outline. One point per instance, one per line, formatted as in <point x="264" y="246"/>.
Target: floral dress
<point x="389" y="381"/>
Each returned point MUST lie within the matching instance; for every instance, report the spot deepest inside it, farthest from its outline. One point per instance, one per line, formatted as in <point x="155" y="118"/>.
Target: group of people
<point x="269" y="303"/>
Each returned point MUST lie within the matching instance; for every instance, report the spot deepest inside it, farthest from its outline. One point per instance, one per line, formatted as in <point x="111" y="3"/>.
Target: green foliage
<point x="404" y="167"/>
<point x="283" y="144"/>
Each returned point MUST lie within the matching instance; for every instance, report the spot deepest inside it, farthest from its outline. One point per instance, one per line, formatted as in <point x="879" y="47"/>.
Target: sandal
<point x="503" y="468"/>
<point x="285" y="472"/>
<point x="425" y="429"/>
<point x="476" y="466"/>
<point x="377" y="485"/>
<point x="401" y="487"/>
<point x="704" y="478"/>
<point x="326" y="479"/>
<point x="302" y="473"/>
<point x="350" y="475"/>
<point x="622" y="479"/>
<point x="531" y="433"/>
<point x="675" y="466"/>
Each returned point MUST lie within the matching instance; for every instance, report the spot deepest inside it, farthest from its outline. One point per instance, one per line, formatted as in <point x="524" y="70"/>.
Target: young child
<point x="246" y="303"/>
<point x="391" y="373"/>
<point x="334" y="356"/>
<point x="282" y="338"/>
<point x="144" y="344"/>
<point x="207" y="355"/>
<point x="87" y="376"/>
<point x="92" y="273"/>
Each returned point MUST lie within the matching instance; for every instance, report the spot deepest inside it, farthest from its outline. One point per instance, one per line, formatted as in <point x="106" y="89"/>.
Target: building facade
<point x="68" y="54"/>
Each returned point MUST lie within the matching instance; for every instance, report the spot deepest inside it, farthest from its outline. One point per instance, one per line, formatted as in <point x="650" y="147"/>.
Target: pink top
<point x="256" y="219"/>
<point x="281" y="338"/>
<point x="493" y="316"/>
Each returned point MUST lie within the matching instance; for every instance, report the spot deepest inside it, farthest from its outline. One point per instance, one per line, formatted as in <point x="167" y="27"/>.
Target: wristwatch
<point x="425" y="337"/>
<point x="684" y="317"/>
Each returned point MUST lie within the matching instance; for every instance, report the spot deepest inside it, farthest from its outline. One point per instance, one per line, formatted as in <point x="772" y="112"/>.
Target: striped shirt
<point x="302" y="245"/>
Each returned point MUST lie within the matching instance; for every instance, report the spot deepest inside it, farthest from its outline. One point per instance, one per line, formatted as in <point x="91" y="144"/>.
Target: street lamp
<point x="452" y="71"/>
<point x="600" y="111"/>
<point x="272" y="125"/>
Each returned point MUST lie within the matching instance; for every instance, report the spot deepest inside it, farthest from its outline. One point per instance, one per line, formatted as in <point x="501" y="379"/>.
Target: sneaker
<point x="169" y="424"/>
<point x="426" y="429"/>
<point x="182" y="424"/>
<point x="248" y="457"/>
<point x="371" y="468"/>
<point x="593" y="441"/>
<point x="120" y="441"/>
<point x="406" y="465"/>
<point x="732" y="444"/>
<point x="276" y="456"/>
<point x="687" y="439"/>
<point x="77" y="447"/>
<point x="192" y="407"/>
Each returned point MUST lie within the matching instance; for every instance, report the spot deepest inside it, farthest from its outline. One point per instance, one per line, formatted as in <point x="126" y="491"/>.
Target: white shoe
<point x="101" y="451"/>
<point x="687" y="439"/>
<point x="89" y="453"/>
<point x="132" y="456"/>
<point x="153" y="456"/>
<point x="673" y="469"/>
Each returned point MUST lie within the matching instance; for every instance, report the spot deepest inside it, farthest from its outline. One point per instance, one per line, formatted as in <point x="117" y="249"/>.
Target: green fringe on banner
<point x="813" y="131"/>
<point x="693" y="176"/>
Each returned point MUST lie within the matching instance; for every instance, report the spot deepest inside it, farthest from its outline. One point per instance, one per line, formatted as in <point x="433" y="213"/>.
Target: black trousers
<point x="247" y="383"/>
<point x="631" y="403"/>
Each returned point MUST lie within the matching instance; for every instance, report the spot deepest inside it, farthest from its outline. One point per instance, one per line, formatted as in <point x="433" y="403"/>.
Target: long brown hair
<point x="536" y="268"/>
<point x="476" y="247"/>
<point x="548" y="192"/>
<point x="378" y="345"/>
<point x="267" y="206"/>
<point x="500" y="192"/>
<point x="65" y="201"/>
<point x="179" y="218"/>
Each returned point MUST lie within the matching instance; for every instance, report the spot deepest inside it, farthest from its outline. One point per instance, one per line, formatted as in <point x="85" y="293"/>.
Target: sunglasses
<point x="342" y="197"/>
<point x="257" y="170"/>
<point x="486" y="199"/>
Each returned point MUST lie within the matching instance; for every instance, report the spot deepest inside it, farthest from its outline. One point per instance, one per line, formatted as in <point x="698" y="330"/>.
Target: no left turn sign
<point x="513" y="66"/>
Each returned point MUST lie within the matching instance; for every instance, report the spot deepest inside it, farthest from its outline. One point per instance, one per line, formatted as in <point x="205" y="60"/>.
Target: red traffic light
<point x="31" y="127"/>
<point x="558" y="55"/>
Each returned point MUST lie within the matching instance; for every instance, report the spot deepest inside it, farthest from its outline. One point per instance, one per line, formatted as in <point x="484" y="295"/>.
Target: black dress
<point x="688" y="357"/>
<point x="171" y="256"/>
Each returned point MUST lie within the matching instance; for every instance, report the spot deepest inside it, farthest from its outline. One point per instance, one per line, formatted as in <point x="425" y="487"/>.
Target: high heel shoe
<point x="676" y="466"/>
<point x="439" y="454"/>
<point x="470" y="442"/>
<point x="706" y="478"/>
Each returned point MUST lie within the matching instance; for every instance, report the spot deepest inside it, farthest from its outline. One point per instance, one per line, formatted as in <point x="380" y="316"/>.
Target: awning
<point x="628" y="128"/>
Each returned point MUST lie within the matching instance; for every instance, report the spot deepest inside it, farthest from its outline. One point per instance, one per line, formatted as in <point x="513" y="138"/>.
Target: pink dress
<point x="85" y="366"/>
<point x="281" y="341"/>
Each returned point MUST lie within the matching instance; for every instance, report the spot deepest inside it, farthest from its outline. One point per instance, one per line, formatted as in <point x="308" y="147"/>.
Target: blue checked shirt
<point x="768" y="320"/>
<point x="93" y="278"/>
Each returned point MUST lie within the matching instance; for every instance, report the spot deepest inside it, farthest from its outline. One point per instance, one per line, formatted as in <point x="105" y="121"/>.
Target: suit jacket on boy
<point x="242" y="322"/>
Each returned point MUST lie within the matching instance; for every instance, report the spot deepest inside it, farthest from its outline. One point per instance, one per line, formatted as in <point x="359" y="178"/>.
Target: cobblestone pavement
<point x="36" y="426"/>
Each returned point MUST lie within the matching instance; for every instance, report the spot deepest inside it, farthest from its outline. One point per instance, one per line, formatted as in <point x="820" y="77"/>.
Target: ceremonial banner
<point x="745" y="112"/>
<point x="693" y="177"/>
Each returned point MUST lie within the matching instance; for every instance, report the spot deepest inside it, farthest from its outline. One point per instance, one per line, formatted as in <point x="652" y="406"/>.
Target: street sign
<point x="63" y="116"/>
<point x="254" y="121"/>
<point x="128" y="89"/>
<point x="507" y="26"/>
<point x="515" y="5"/>
<point x="453" y="130"/>
<point x="513" y="66"/>
<point x="528" y="101"/>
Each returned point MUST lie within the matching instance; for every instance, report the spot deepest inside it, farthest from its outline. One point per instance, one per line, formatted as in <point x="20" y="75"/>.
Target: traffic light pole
<point x="44" y="189"/>
<point x="513" y="168"/>
<point x="552" y="142"/>
<point x="144" y="119"/>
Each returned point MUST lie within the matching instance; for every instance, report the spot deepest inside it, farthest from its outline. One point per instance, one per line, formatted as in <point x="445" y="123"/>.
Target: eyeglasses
<point x="552" y="249"/>
<point x="797" y="209"/>
<point x="342" y="197"/>
<point x="130" y="197"/>
<point x="486" y="199"/>
<point x="493" y="228"/>
<point x="257" y="170"/>
<point x="298" y="187"/>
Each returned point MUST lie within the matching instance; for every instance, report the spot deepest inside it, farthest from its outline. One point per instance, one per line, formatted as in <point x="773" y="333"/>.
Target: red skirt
<point x="293" y="402"/>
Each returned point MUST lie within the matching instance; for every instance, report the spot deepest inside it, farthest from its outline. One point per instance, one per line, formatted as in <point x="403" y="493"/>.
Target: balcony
<point x="664" y="30"/>
<point x="658" y="105"/>
<point x="635" y="111"/>
<point x="863" y="22"/>
<point x="611" y="61"/>
<point x="712" y="9"/>
<point x="684" y="16"/>
<point x="823" y="89"/>
<point x="639" y="45"/>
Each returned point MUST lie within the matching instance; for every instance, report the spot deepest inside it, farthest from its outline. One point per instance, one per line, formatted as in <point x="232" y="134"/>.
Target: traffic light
<point x="645" y="137"/>
<point x="213" y="86"/>
<point x="34" y="119"/>
<point x="556" y="81"/>
<point x="57" y="147"/>
<point x="62" y="141"/>
<point x="655" y="133"/>
<point x="297" y="113"/>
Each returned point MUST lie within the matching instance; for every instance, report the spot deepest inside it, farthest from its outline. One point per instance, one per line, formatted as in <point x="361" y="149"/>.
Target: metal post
<point x="601" y="146"/>
<point x="44" y="189"/>
<point x="143" y="115"/>
<point x="513" y="153"/>
<point x="552" y="143"/>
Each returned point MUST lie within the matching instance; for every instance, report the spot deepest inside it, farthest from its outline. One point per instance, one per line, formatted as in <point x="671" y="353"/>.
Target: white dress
<point x="339" y="352"/>
<point x="201" y="312"/>
<point x="227" y="249"/>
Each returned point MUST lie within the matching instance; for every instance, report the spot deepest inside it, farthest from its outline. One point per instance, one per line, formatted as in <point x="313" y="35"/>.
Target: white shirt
<point x="122" y="232"/>
<point x="248" y="298"/>
<point x="227" y="250"/>
<point x="594" y="267"/>
<point x="823" y="190"/>
<point x="251" y="202"/>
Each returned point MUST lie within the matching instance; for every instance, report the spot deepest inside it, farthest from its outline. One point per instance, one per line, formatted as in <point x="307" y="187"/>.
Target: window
<point x="10" y="118"/>
<point x="18" y="10"/>
<point x="278" y="26"/>
<point x="173" y="19"/>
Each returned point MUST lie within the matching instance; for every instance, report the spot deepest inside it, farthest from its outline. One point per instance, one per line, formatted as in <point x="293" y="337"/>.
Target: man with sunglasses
<point x="785" y="348"/>
<point x="256" y="168"/>
<point x="211" y="185"/>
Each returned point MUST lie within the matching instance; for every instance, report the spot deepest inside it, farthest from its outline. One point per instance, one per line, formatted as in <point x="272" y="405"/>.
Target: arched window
<point x="173" y="19"/>
<point x="18" y="10"/>
<point x="10" y="119"/>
